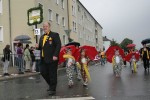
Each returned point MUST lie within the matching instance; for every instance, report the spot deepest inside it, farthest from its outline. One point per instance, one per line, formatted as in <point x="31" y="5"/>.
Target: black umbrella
<point x="73" y="43"/>
<point x="145" y="41"/>
<point x="25" y="42"/>
<point x="22" y="37"/>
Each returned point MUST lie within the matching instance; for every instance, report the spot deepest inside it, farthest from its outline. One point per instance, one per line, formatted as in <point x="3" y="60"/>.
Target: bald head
<point x="46" y="27"/>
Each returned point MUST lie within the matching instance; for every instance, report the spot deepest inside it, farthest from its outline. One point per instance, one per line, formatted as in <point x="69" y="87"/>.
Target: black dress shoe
<point x="52" y="92"/>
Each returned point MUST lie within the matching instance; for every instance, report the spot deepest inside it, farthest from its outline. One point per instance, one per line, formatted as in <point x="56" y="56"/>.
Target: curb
<point x="3" y="78"/>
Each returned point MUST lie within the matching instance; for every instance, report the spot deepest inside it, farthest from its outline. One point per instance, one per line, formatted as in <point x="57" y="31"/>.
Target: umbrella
<point x="63" y="51"/>
<point x="129" y="56"/>
<point x="90" y="51"/>
<point x="146" y="41"/>
<point x="25" y="41"/>
<point x="110" y="52"/>
<point x="73" y="43"/>
<point x="131" y="45"/>
<point x="22" y="37"/>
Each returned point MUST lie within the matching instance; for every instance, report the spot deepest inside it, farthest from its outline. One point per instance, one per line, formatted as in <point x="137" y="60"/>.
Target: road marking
<point x="77" y="98"/>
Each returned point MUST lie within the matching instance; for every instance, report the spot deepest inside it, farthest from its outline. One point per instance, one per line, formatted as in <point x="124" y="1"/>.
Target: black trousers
<point x="146" y="63"/>
<point x="49" y="73"/>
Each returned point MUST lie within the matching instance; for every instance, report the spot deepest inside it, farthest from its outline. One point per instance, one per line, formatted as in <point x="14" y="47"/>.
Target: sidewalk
<point x="14" y="74"/>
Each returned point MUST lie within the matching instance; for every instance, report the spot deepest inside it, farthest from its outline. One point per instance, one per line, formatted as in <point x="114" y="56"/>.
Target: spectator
<point x="32" y="58"/>
<point x="20" y="61"/>
<point x="37" y="58"/>
<point x="6" y="60"/>
<point x="27" y="58"/>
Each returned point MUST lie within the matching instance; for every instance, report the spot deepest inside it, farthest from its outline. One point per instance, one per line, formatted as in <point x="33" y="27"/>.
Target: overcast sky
<point x="122" y="18"/>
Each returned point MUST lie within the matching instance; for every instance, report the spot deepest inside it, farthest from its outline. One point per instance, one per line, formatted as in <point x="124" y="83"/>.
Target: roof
<point x="91" y="15"/>
<point x="106" y="39"/>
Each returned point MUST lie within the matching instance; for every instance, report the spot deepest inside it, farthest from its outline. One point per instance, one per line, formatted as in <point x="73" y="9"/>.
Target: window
<point x="79" y="8"/>
<point x="64" y="39"/>
<point x="63" y="21"/>
<point x="85" y="15"/>
<point x="74" y="26"/>
<point x="1" y="33"/>
<point x="57" y="18"/>
<point x="57" y="1"/>
<point x="50" y="16"/>
<point x="73" y="10"/>
<point x="0" y="6"/>
<point x="80" y="34"/>
<point x="62" y="4"/>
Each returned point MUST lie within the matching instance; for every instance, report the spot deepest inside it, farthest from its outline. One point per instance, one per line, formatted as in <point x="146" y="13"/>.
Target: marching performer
<point x="83" y="64"/>
<point x="133" y="64"/>
<point x="70" y="62"/>
<point x="117" y="62"/>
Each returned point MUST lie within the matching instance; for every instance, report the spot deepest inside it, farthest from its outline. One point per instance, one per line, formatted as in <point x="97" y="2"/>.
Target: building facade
<point x="67" y="17"/>
<point x="84" y="28"/>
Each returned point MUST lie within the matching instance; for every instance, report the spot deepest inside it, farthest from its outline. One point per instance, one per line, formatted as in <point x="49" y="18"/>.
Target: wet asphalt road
<point x="104" y="86"/>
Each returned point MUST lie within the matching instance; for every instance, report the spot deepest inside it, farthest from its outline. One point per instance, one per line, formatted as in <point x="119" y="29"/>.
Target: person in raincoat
<point x="117" y="62"/>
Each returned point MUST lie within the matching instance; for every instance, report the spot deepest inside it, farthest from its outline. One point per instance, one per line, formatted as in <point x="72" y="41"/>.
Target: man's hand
<point x="55" y="58"/>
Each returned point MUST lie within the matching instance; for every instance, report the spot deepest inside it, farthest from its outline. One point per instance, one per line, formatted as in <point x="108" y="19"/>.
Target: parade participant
<point x="145" y="56"/>
<point x="83" y="64"/>
<point x="133" y="64"/>
<point x="102" y="58"/>
<point x="124" y="60"/>
<point x="70" y="62"/>
<point x="131" y="50"/>
<point x="49" y="45"/>
<point x="117" y="62"/>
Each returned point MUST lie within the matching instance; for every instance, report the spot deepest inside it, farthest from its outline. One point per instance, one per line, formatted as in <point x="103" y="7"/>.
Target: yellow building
<point x="64" y="16"/>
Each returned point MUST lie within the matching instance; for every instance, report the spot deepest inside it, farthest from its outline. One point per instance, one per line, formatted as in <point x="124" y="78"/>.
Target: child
<point x="133" y="64"/>
<point x="70" y="60"/>
<point x="83" y="62"/>
<point x="117" y="63"/>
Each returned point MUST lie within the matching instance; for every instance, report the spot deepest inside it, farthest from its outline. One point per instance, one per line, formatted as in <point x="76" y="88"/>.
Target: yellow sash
<point x="113" y="61"/>
<point x="78" y="65"/>
<point x="146" y="52"/>
<point x="68" y="56"/>
<point x="87" y="71"/>
<point x="134" y="67"/>
<point x="44" y="40"/>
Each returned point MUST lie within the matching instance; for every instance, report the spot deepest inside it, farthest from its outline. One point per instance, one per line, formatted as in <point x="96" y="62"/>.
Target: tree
<point x="125" y="42"/>
<point x="114" y="43"/>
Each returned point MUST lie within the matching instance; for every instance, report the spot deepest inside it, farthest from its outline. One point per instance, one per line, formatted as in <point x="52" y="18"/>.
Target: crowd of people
<point x="25" y="59"/>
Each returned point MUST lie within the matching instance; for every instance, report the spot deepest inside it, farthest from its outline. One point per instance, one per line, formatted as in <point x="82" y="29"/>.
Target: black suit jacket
<point x="51" y="47"/>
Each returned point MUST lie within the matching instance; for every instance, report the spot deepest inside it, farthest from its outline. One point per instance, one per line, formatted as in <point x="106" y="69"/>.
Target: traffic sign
<point x="37" y="31"/>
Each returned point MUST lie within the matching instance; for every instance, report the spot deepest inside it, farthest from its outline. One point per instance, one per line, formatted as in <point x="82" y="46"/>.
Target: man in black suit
<point x="49" y="45"/>
<point x="145" y="56"/>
